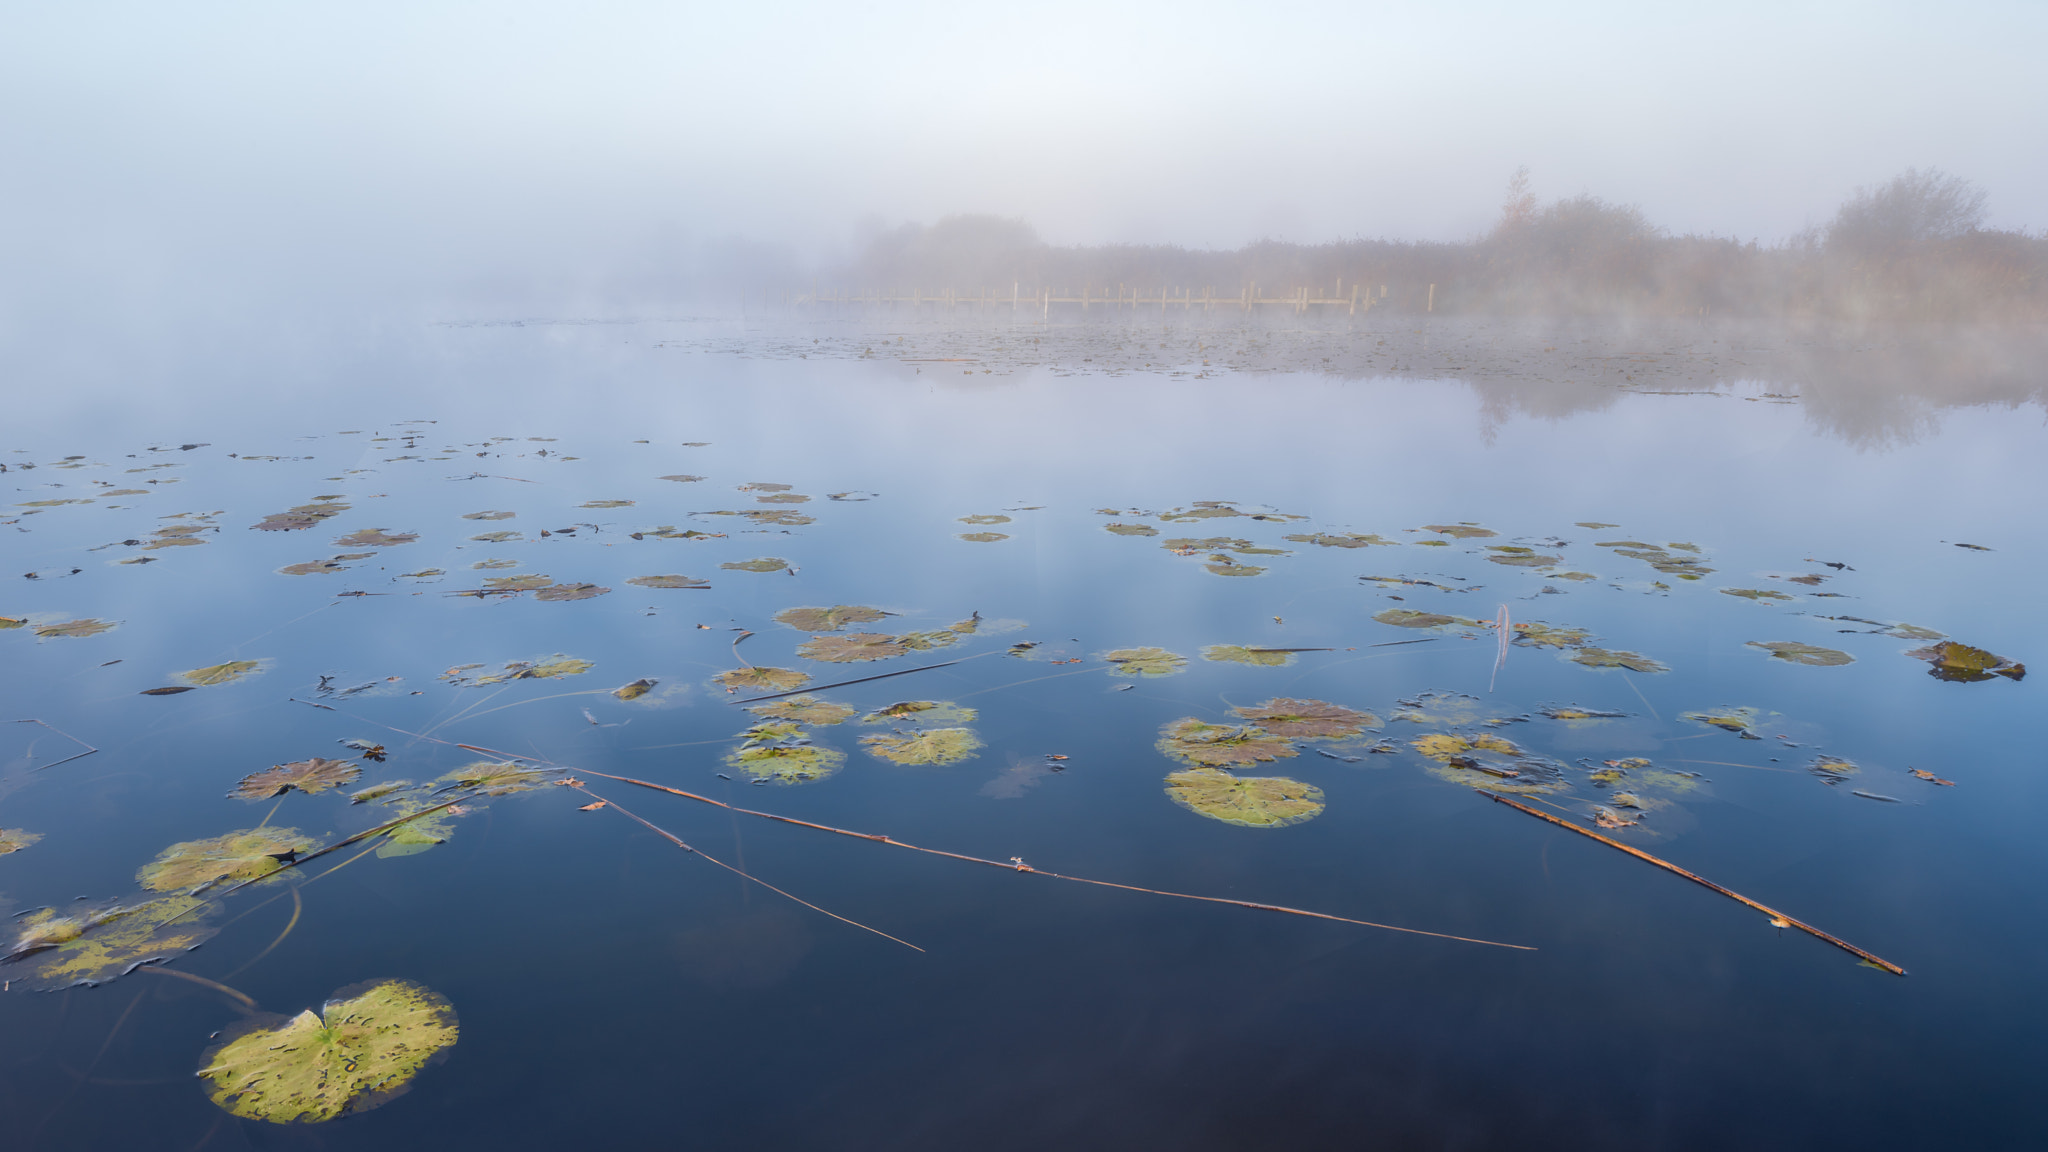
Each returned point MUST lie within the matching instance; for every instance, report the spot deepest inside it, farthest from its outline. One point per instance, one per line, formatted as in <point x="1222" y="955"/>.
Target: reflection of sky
<point x="1754" y="484"/>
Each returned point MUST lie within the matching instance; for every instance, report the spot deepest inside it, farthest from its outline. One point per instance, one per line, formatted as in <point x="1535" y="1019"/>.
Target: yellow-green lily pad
<point x="1308" y="719"/>
<point x="1794" y="652"/>
<point x="930" y="746"/>
<point x="363" y="1048"/>
<point x="1209" y="745"/>
<point x="1144" y="662"/>
<point x="938" y="712"/>
<point x="805" y="710"/>
<point x="311" y="776"/>
<point x="853" y="647"/>
<point x="65" y="951"/>
<point x="830" y="619"/>
<point x="230" y="857"/>
<point x="761" y="679"/>
<point x="214" y="674"/>
<point x="1247" y="801"/>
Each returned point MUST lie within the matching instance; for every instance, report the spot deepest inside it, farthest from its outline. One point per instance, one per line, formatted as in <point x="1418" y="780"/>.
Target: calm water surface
<point x="614" y="991"/>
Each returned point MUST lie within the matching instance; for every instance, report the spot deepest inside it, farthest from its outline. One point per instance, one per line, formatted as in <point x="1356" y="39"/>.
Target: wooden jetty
<point x="1360" y="299"/>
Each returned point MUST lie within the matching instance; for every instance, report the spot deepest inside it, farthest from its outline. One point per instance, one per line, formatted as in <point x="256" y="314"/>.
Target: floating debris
<point x="1460" y="531"/>
<point x="489" y="515"/>
<point x="1409" y="618"/>
<point x="303" y="516"/>
<point x="551" y="669"/>
<point x="1342" y="539"/>
<point x="216" y="674"/>
<point x="989" y="519"/>
<point x="1741" y="721"/>
<point x="1131" y="529"/>
<point x="77" y="629"/>
<point x="1930" y="777"/>
<point x="1833" y="769"/>
<point x="362" y="1049"/>
<point x="1683" y="567"/>
<point x="1537" y="634"/>
<point x="1755" y="593"/>
<point x="606" y="504"/>
<point x="982" y="537"/>
<point x="570" y="592"/>
<point x="496" y="778"/>
<point x="1246" y="801"/>
<point x="69" y="951"/>
<point x="15" y="839"/>
<point x="1520" y="557"/>
<point x="1258" y="657"/>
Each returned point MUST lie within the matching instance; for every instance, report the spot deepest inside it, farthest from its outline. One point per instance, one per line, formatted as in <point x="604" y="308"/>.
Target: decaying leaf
<point x="229" y="857"/>
<point x="1247" y="801"/>
<point x="378" y="791"/>
<point x="375" y="538"/>
<point x="606" y="504"/>
<point x="1221" y="745"/>
<point x="828" y="619"/>
<point x="1922" y="773"/>
<point x="804" y="710"/>
<point x="489" y="515"/>
<point x="303" y="516"/>
<point x="762" y="679"/>
<point x="1913" y="632"/>
<point x="1517" y="556"/>
<point x="1574" y="714"/>
<point x="74" y="628"/>
<point x="1793" y="652"/>
<point x="214" y="674"/>
<point x="636" y="689"/>
<point x="570" y="592"/>
<point x="1307" y="719"/>
<point x="15" y="839"/>
<point x="925" y="641"/>
<point x="310" y="776"/>
<point x="171" y="691"/>
<point x="681" y="479"/>
<point x="1603" y="658"/>
<point x="1833" y="769"/>
<point x="761" y="564"/>
<point x="1445" y="747"/>
<point x="364" y="1047"/>
<point x="66" y="951"/>
<point x="1755" y="593"/>
<point x="551" y="669"/>
<point x="368" y="749"/>
<point x="1963" y="664"/>
<point x="984" y="519"/>
<point x="669" y="582"/>
<point x="922" y="712"/>
<point x="1741" y="721"/>
<point x="1144" y="662"/>
<point x="982" y="537"/>
<point x="1238" y="654"/>
<point x="496" y="778"/>
<point x="930" y="746"/>
<point x="853" y="647"/>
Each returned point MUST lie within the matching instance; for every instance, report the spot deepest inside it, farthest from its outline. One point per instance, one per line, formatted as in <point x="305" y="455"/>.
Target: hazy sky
<point x="424" y="148"/>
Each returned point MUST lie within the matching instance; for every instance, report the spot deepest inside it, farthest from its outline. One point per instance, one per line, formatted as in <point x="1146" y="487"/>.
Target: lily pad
<point x="805" y="710"/>
<point x="1225" y="566"/>
<point x="1913" y="632"/>
<point x="418" y="834"/>
<point x="925" y="641"/>
<point x="1833" y="769"/>
<point x="496" y="778"/>
<point x="1537" y="634"/>
<point x="495" y="562"/>
<point x="551" y="669"/>
<point x="931" y="746"/>
<point x="1575" y="715"/>
<point x="765" y="487"/>
<point x="1238" y="654"/>
<point x="214" y="674"/>
<point x="66" y="951"/>
<point x="991" y="519"/>
<point x="760" y="564"/>
<point x="1755" y="593"/>
<point x="853" y="647"/>
<point x="787" y="763"/>
<point x="303" y="516"/>
<point x="1603" y="658"/>
<point x="681" y="478"/>
<point x="669" y="582"/>
<point x="1741" y="721"/>
<point x="1144" y="662"/>
<point x="921" y="712"/>
<point x="1966" y="665"/>
<point x="531" y="582"/>
<point x="378" y="791"/>
<point x="1307" y="719"/>
<point x="1446" y="747"/>
<point x="229" y="857"/>
<point x="1131" y="529"/>
<point x="496" y="537"/>
<point x="828" y="619"/>
<point x="1460" y="531"/>
<point x="375" y="538"/>
<point x="1409" y="618"/>
<point x="74" y="628"/>
<point x="1342" y="539"/>
<point x="636" y="689"/>
<point x="15" y="839"/>
<point x="363" y="1048"/>
<point x="1221" y="745"/>
<point x="982" y="537"/>
<point x="489" y="515"/>
<point x="309" y="776"/>
<point x="762" y="679"/>
<point x="1793" y="652"/>
<point x="570" y="592"/>
<point x="606" y="504"/>
<point x="1247" y="801"/>
<point x="1520" y="557"/>
<point x="1683" y="567"/>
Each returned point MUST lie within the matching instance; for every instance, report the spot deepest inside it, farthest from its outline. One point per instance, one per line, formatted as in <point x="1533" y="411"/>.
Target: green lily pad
<point x="375" y="538"/>
<point x="926" y="641"/>
<point x="497" y="778"/>
<point x="230" y="857"/>
<point x="303" y="516"/>
<point x="636" y="689"/>
<point x="1342" y="539"/>
<point x="570" y="592"/>
<point x="922" y="712"/>
<point x="551" y="669"/>
<point x="828" y="619"/>
<point x="1307" y="719"/>
<point x="1209" y="745"/>
<point x="363" y="1048"/>
<point x="1793" y="652"/>
<point x="214" y="674"/>
<point x="1247" y="801"/>
<point x="1446" y="747"/>
<point x="931" y="746"/>
<point x="495" y="562"/>
<point x="1409" y="618"/>
<point x="669" y="582"/>
<point x="1144" y="662"/>
<point x="1966" y="665"/>
<point x="606" y="504"/>
<point x="1603" y="658"/>
<point x="805" y="710"/>
<point x="1683" y="567"/>
<point x="1238" y="654"/>
<point x="74" y="628"/>
<point x="15" y="839"/>
<point x="1755" y="594"/>
<point x="1520" y="557"/>
<point x="853" y="647"/>
<point x="787" y="763"/>
<point x="309" y="776"/>
<point x="1537" y="634"/>
<point x="982" y="537"/>
<point x="760" y="564"/>
<point x="984" y="519"/>
<point x="65" y="951"/>
<point x="531" y="582"/>
<point x="1131" y="529"/>
<point x="418" y="834"/>
<point x="762" y="679"/>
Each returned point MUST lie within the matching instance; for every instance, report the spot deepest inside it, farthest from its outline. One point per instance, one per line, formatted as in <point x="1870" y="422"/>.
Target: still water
<point x="613" y="990"/>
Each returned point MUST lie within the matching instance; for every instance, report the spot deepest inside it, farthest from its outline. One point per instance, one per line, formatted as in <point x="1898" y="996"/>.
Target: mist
<point x="214" y="167"/>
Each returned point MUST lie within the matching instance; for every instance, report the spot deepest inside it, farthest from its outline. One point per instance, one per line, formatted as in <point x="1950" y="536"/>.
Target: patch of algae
<point x="1246" y="801"/>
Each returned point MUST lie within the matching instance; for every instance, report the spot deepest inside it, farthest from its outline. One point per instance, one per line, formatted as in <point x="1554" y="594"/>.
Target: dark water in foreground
<point x="616" y="992"/>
